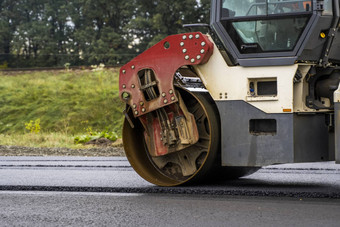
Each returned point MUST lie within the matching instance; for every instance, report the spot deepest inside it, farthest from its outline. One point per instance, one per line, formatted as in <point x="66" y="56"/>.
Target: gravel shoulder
<point x="90" y="152"/>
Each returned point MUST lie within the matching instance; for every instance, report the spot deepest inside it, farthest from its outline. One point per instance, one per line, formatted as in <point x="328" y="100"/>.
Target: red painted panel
<point x="184" y="49"/>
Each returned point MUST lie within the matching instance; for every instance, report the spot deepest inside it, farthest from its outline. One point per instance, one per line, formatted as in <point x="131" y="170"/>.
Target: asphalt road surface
<point x="78" y="191"/>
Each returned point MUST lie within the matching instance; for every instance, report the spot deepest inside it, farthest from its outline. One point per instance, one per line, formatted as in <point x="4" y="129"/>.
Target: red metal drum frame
<point x="164" y="59"/>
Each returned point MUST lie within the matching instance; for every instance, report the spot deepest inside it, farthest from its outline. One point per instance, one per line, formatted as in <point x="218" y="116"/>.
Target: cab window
<point x="257" y="26"/>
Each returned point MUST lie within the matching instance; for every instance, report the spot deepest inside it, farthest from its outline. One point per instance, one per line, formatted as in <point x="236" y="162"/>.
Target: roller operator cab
<point x="260" y="89"/>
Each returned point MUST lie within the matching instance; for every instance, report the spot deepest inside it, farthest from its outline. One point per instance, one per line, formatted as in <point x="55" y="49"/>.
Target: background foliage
<point x="45" y="33"/>
<point x="70" y="102"/>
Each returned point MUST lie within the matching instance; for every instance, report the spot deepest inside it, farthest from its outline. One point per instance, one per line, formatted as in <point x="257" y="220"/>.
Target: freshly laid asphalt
<point x="80" y="191"/>
<point x="100" y="174"/>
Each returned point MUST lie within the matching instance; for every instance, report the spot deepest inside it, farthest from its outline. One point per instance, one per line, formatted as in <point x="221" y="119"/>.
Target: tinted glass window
<point x="328" y="9"/>
<point x="241" y="8"/>
<point x="266" y="35"/>
<point x="257" y="26"/>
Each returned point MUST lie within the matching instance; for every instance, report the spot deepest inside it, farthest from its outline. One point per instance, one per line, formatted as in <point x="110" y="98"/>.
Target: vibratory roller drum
<point x="189" y="153"/>
<point x="171" y="134"/>
<point x="186" y="157"/>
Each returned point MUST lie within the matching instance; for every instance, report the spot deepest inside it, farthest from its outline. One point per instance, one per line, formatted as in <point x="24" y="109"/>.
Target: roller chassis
<point x="255" y="112"/>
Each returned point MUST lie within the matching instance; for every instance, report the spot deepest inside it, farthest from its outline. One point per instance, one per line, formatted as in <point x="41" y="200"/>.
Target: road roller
<point x="261" y="87"/>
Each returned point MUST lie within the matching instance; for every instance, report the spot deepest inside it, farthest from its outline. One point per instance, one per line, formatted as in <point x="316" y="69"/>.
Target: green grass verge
<point x="67" y="103"/>
<point x="50" y="140"/>
<point x="39" y="140"/>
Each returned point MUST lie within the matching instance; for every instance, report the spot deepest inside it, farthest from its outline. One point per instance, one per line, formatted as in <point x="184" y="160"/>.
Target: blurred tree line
<point x="46" y="33"/>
